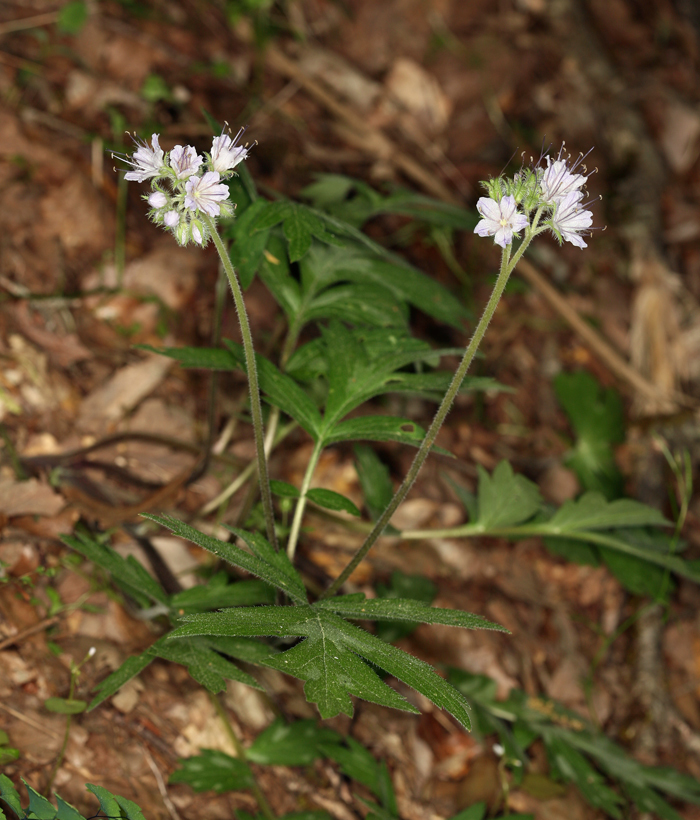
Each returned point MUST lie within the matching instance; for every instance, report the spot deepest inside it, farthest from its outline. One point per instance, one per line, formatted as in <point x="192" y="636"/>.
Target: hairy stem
<point x="255" y="406"/>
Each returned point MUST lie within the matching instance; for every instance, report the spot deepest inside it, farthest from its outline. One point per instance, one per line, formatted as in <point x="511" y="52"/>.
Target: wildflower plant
<point x="358" y="296"/>
<point x="189" y="196"/>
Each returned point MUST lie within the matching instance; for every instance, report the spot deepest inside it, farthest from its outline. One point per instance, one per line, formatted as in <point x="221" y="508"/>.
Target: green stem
<point x="255" y="406"/>
<point x="240" y="753"/>
<point x="301" y="503"/>
<point x="507" y="266"/>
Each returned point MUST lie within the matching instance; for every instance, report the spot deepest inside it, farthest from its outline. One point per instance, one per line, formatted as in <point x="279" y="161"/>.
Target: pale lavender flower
<point x="570" y="219"/>
<point x="197" y="234"/>
<point x="146" y="162"/>
<point x="157" y="199"/>
<point x="185" y="161"/>
<point x="500" y="219"/>
<point x="558" y="181"/>
<point x="225" y="154"/>
<point x="171" y="219"/>
<point x="204" y="193"/>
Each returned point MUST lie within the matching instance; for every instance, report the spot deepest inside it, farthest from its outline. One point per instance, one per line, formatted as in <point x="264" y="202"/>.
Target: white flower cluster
<point x="550" y="195"/>
<point x="195" y="184"/>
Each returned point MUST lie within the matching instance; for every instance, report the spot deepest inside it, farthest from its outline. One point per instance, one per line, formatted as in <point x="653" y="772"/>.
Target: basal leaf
<point x="330" y="660"/>
<point x="332" y="501"/>
<point x="265" y="563"/>
<point x="504" y="498"/>
<point x="332" y="672"/>
<point x="213" y="770"/>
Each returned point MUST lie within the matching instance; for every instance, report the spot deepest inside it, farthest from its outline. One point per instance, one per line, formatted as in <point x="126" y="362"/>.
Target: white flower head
<point x="570" y="218"/>
<point x="147" y="162"/>
<point x="185" y="161"/>
<point x="206" y="193"/>
<point x="226" y="154"/>
<point x="500" y="219"/>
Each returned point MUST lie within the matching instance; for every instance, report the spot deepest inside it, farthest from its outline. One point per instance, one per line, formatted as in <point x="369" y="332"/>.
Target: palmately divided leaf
<point x="404" y="609"/>
<point x="265" y="563"/>
<point x="330" y="660"/>
<point x="505" y="499"/>
<point x="332" y="673"/>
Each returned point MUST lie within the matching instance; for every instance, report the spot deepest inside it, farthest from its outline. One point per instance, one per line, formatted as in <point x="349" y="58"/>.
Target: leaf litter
<point x="71" y="373"/>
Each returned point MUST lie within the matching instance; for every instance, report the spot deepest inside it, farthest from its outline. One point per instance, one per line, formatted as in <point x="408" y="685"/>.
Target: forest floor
<point x="432" y="95"/>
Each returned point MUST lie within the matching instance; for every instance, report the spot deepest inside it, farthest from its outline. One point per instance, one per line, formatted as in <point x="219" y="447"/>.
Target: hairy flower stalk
<point x="188" y="195"/>
<point x="537" y="198"/>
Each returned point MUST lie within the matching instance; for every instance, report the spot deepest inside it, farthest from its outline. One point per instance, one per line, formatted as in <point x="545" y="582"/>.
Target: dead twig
<point x="30" y="630"/>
